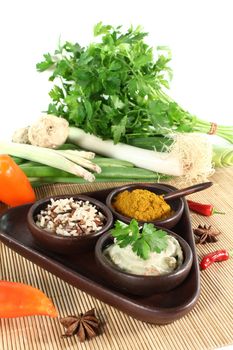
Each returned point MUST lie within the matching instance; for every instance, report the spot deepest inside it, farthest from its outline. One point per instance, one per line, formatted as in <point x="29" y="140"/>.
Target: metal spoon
<point x="188" y="190"/>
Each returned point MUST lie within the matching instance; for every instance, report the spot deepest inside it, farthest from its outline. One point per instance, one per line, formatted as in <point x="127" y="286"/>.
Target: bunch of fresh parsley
<point x="148" y="239"/>
<point x="114" y="88"/>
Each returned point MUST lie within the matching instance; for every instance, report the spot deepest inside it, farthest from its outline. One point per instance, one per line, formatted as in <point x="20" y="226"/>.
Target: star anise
<point x="204" y="234"/>
<point x="85" y="325"/>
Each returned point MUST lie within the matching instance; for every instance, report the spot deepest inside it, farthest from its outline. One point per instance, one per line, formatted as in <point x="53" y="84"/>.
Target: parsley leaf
<point x="114" y="87"/>
<point x="46" y="64"/>
<point x="125" y="234"/>
<point x="119" y="129"/>
<point x="141" y="248"/>
<point x="148" y="240"/>
<point x="156" y="239"/>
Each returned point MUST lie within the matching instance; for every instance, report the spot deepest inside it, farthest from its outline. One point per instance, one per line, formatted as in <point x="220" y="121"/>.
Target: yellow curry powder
<point x="142" y="205"/>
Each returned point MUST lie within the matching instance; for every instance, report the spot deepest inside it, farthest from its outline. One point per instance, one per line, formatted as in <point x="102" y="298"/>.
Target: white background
<point x="199" y="34"/>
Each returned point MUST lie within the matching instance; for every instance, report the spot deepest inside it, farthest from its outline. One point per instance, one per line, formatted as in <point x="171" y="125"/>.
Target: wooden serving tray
<point x="81" y="271"/>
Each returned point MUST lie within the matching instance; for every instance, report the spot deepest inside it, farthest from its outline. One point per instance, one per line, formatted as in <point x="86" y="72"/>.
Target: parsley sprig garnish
<point x="143" y="241"/>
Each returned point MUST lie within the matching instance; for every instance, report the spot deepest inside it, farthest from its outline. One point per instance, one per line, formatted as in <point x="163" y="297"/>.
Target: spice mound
<point x="68" y="217"/>
<point x="142" y="205"/>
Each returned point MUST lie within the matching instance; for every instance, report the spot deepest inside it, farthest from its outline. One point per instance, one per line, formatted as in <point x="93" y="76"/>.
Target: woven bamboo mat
<point x="207" y="326"/>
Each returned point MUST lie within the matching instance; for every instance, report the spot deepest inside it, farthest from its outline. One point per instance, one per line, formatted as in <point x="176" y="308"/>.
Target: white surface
<point x="198" y="32"/>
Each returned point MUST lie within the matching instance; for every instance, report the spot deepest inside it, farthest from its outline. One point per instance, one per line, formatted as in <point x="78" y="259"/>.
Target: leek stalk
<point x="189" y="155"/>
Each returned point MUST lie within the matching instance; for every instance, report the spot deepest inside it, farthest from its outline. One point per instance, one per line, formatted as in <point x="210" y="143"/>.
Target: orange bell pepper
<point x="18" y="299"/>
<point x="15" y="188"/>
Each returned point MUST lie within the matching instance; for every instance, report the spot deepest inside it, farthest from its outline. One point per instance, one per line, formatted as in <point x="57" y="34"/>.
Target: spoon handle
<point x="188" y="190"/>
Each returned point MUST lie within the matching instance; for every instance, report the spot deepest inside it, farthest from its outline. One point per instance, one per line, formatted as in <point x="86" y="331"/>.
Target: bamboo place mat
<point x="207" y="326"/>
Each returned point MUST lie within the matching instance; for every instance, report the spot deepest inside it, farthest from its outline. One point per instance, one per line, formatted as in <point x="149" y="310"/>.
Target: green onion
<point x="67" y="146"/>
<point x="19" y="160"/>
<point x="111" y="162"/>
<point x="30" y="164"/>
<point x="107" y="173"/>
<point x="36" y="182"/>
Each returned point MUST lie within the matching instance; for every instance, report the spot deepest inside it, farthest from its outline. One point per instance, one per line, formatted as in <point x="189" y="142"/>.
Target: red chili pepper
<point x="15" y="188"/>
<point x="218" y="255"/>
<point x="18" y="299"/>
<point x="203" y="209"/>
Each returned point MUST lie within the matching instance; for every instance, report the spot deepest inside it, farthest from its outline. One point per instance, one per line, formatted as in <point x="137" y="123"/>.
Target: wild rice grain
<point x="68" y="217"/>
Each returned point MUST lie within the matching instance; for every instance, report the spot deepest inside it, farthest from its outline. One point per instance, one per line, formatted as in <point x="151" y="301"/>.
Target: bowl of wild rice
<point x="68" y="224"/>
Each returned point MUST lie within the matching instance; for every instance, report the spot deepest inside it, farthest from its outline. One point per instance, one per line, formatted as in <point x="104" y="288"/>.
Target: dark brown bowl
<point x="177" y="205"/>
<point x="140" y="284"/>
<point x="63" y="244"/>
